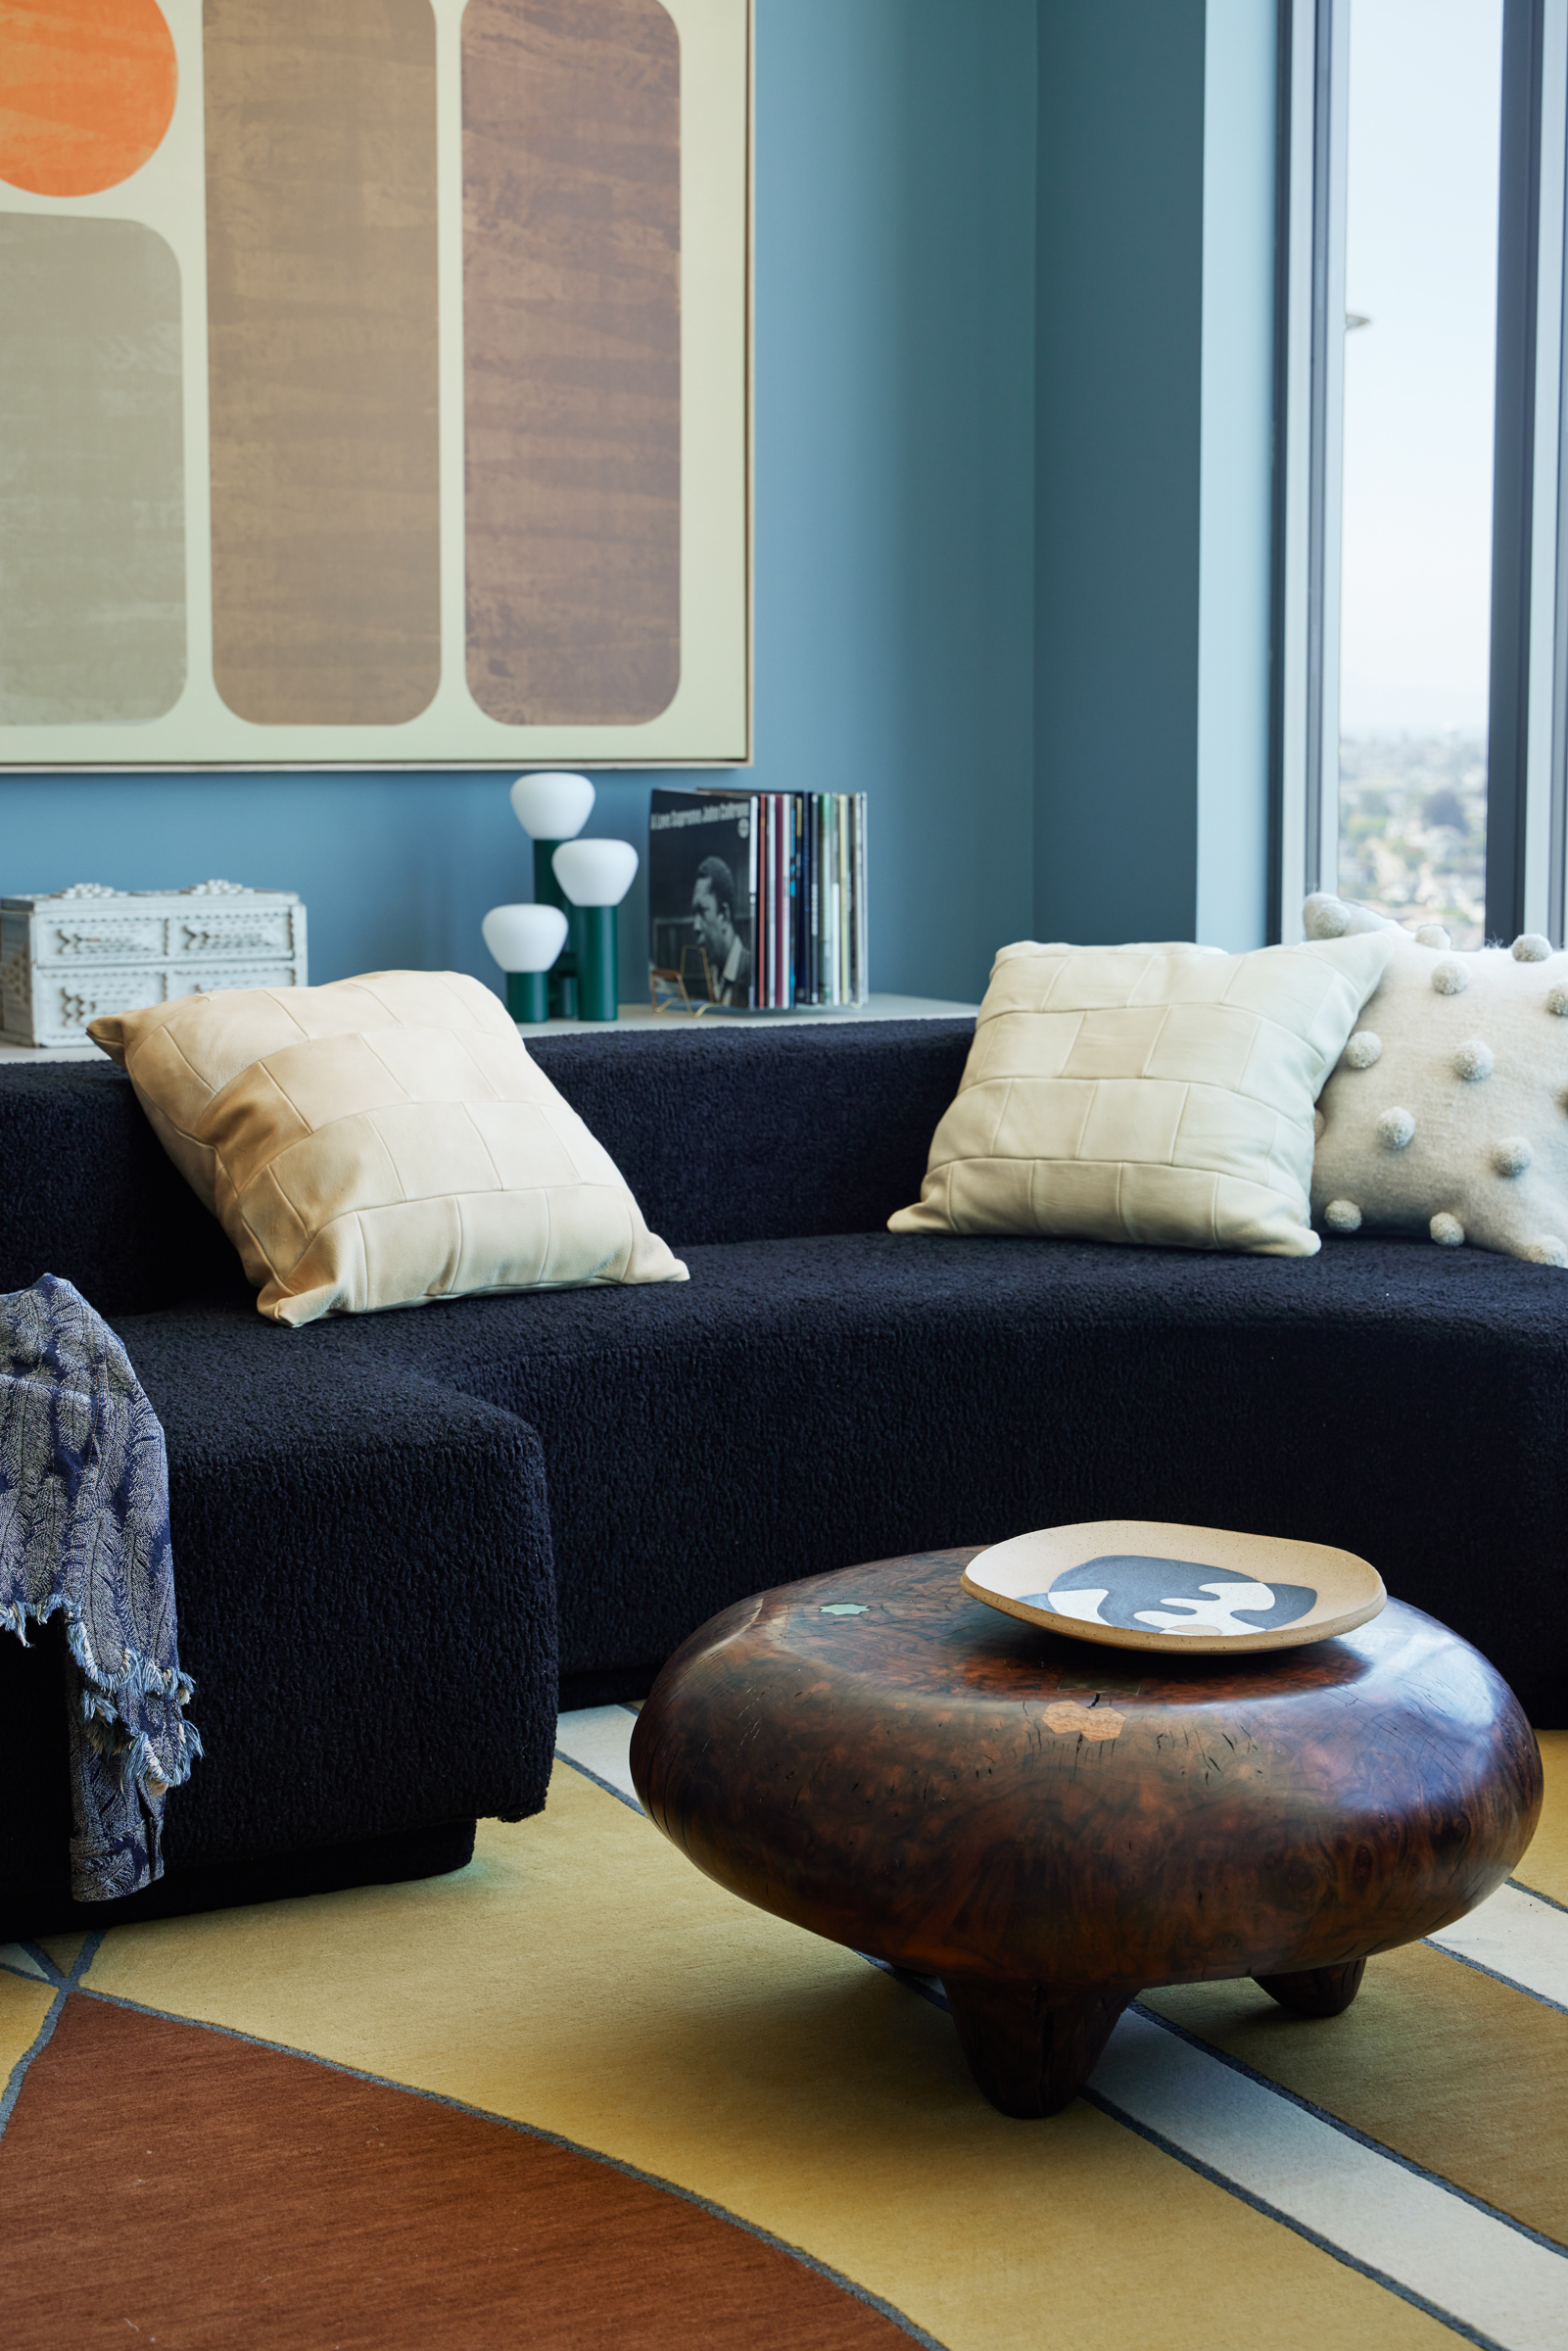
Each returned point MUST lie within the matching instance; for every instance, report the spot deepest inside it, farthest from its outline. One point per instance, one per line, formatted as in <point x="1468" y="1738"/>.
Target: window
<point x="1419" y="661"/>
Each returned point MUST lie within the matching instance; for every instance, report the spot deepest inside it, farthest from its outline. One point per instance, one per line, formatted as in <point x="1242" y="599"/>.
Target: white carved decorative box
<point x="68" y="957"/>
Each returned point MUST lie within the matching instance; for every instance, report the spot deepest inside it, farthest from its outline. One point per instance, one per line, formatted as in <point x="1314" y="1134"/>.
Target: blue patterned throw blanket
<point x="84" y="1530"/>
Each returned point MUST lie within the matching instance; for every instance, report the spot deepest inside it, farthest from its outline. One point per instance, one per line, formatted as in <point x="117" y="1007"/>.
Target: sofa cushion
<point x="803" y="1404"/>
<point x="88" y="1192"/>
<point x="745" y="1132"/>
<point x="704" y="1126"/>
<point x="1154" y="1094"/>
<point x="380" y="1141"/>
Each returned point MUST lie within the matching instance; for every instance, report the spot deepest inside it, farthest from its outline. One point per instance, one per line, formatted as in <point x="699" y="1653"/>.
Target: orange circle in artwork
<point x="89" y="92"/>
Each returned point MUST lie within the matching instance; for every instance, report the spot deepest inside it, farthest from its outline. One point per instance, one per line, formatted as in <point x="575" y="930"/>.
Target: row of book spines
<point x="808" y="894"/>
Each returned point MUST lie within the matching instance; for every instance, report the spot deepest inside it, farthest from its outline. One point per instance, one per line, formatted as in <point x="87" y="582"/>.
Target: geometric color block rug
<point x="576" y="2095"/>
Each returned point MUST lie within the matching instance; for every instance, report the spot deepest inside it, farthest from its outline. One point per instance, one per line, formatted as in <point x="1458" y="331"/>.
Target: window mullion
<point x="1331" y="112"/>
<point x="1308" y="370"/>
<point x="1546" y="789"/>
<point x="1514" y="453"/>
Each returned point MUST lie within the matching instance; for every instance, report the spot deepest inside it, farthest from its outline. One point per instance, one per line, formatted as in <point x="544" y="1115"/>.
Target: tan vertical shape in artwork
<point x="322" y="358"/>
<point x="92" y="483"/>
<point x="572" y="356"/>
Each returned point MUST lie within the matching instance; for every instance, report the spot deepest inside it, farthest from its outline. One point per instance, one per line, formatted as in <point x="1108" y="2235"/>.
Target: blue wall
<point x="1118" y="359"/>
<point x="894" y="548"/>
<point x="1154" y="362"/>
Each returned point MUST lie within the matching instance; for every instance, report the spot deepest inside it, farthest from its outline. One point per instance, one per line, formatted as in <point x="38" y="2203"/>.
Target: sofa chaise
<point x="400" y="1538"/>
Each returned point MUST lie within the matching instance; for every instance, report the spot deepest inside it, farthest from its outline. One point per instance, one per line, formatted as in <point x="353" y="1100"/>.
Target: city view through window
<point x="1420" y="281"/>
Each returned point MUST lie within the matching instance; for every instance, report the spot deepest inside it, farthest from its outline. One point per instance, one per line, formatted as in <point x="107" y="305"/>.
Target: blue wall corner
<point x="1119" y="401"/>
<point x="1007" y="544"/>
<point x="894" y="551"/>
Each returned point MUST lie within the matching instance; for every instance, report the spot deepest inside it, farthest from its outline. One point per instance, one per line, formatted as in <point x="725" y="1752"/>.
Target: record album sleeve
<point x="702" y="869"/>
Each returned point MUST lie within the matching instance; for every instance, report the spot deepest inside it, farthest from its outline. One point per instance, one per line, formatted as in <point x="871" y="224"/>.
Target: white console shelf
<point x="638" y="1019"/>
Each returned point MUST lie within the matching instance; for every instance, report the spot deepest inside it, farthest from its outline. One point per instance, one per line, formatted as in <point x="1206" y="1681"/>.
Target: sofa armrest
<point x="366" y="1586"/>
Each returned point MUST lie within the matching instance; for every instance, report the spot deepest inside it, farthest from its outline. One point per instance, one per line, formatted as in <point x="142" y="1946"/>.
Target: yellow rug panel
<point x="64" y="1950"/>
<point x="581" y="1977"/>
<point x="23" y="2009"/>
<point x="1460" y="2073"/>
<point x="1545" y="1864"/>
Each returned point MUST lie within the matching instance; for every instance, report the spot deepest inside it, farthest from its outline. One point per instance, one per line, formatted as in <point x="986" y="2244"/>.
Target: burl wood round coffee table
<point x="1051" y="1827"/>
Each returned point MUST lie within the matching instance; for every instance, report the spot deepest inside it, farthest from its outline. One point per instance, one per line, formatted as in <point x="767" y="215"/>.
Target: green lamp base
<point x="583" y="980"/>
<point x="528" y="996"/>
<point x="597" y="961"/>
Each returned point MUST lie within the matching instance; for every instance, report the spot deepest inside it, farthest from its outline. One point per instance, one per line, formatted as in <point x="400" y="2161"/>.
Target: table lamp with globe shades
<point x="552" y="808"/>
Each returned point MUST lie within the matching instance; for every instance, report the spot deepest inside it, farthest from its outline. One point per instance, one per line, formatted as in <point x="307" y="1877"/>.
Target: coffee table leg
<point x="1317" y="1990"/>
<point x="1030" y="2048"/>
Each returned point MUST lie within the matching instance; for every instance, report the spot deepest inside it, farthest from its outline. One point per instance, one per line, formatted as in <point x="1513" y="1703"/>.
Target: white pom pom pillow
<point x="1447" y="1113"/>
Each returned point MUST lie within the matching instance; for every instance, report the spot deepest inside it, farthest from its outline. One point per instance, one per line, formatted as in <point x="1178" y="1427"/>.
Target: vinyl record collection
<point x="758" y="901"/>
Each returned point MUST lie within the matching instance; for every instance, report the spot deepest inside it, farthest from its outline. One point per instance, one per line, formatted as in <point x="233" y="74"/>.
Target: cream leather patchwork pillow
<point x="380" y="1142"/>
<point x="1155" y="1095"/>
<point x="1448" y="1114"/>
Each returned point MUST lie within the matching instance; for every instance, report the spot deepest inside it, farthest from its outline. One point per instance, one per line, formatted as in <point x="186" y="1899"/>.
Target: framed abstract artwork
<point x="374" y="383"/>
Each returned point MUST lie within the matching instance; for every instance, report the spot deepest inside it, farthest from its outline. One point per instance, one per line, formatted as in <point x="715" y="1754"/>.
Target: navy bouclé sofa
<point x="402" y="1539"/>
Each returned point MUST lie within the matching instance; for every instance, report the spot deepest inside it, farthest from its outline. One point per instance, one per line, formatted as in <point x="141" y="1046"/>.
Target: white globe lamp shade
<point x="551" y="806"/>
<point x="595" y="873"/>
<point x="525" y="938"/>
